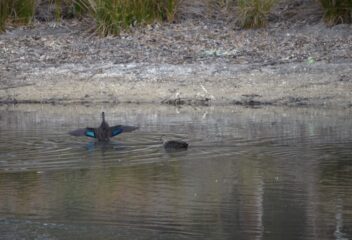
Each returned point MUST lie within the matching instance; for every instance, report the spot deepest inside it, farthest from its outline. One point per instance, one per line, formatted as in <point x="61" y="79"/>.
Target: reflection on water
<point x="248" y="174"/>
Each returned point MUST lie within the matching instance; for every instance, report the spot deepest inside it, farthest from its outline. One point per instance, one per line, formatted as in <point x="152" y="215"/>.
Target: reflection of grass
<point x="337" y="11"/>
<point x="254" y="13"/>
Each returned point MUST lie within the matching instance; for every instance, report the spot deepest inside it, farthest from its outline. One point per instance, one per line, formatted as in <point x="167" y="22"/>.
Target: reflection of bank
<point x="20" y="192"/>
<point x="339" y="227"/>
<point x="335" y="180"/>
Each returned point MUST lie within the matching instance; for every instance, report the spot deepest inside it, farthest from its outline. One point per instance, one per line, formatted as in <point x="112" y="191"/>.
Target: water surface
<point x="267" y="173"/>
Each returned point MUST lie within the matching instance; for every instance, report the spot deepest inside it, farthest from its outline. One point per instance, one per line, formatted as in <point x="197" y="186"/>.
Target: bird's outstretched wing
<point x="89" y="132"/>
<point x="116" y="130"/>
<point x="78" y="132"/>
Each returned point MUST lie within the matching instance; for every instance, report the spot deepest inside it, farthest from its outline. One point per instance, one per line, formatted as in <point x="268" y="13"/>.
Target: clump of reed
<point x="254" y="13"/>
<point x="337" y="11"/>
<point x="4" y="11"/>
<point x="19" y="11"/>
<point x="113" y="15"/>
<point x="110" y="15"/>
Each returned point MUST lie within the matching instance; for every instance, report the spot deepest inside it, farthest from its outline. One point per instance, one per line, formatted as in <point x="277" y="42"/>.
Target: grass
<point x="19" y="11"/>
<point x="22" y="11"/>
<point x="113" y="15"/>
<point x="4" y="11"/>
<point x="72" y="8"/>
<point x="337" y="11"/>
<point x="254" y="13"/>
<point x="110" y="15"/>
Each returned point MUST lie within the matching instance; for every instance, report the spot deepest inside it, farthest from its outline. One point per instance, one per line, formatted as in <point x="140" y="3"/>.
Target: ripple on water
<point x="56" y="150"/>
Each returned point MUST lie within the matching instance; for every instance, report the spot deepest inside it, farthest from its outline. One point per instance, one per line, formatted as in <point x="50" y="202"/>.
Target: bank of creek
<point x="193" y="61"/>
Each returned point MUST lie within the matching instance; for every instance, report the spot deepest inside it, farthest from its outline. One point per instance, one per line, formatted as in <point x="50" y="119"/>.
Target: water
<point x="267" y="173"/>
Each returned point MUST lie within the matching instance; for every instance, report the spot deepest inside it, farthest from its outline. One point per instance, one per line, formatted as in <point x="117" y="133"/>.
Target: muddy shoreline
<point x="190" y="63"/>
<point x="316" y="85"/>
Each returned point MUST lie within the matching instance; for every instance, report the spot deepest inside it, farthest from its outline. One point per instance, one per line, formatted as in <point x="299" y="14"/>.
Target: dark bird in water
<point x="104" y="132"/>
<point x="172" y="145"/>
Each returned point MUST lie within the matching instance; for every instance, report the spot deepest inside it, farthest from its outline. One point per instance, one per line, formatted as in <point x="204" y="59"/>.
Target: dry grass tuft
<point x="337" y="11"/>
<point x="254" y="13"/>
<point x="17" y="11"/>
<point x="113" y="15"/>
<point x="110" y="15"/>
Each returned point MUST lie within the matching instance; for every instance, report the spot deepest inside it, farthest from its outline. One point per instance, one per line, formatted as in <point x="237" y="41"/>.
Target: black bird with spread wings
<point x="104" y="132"/>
